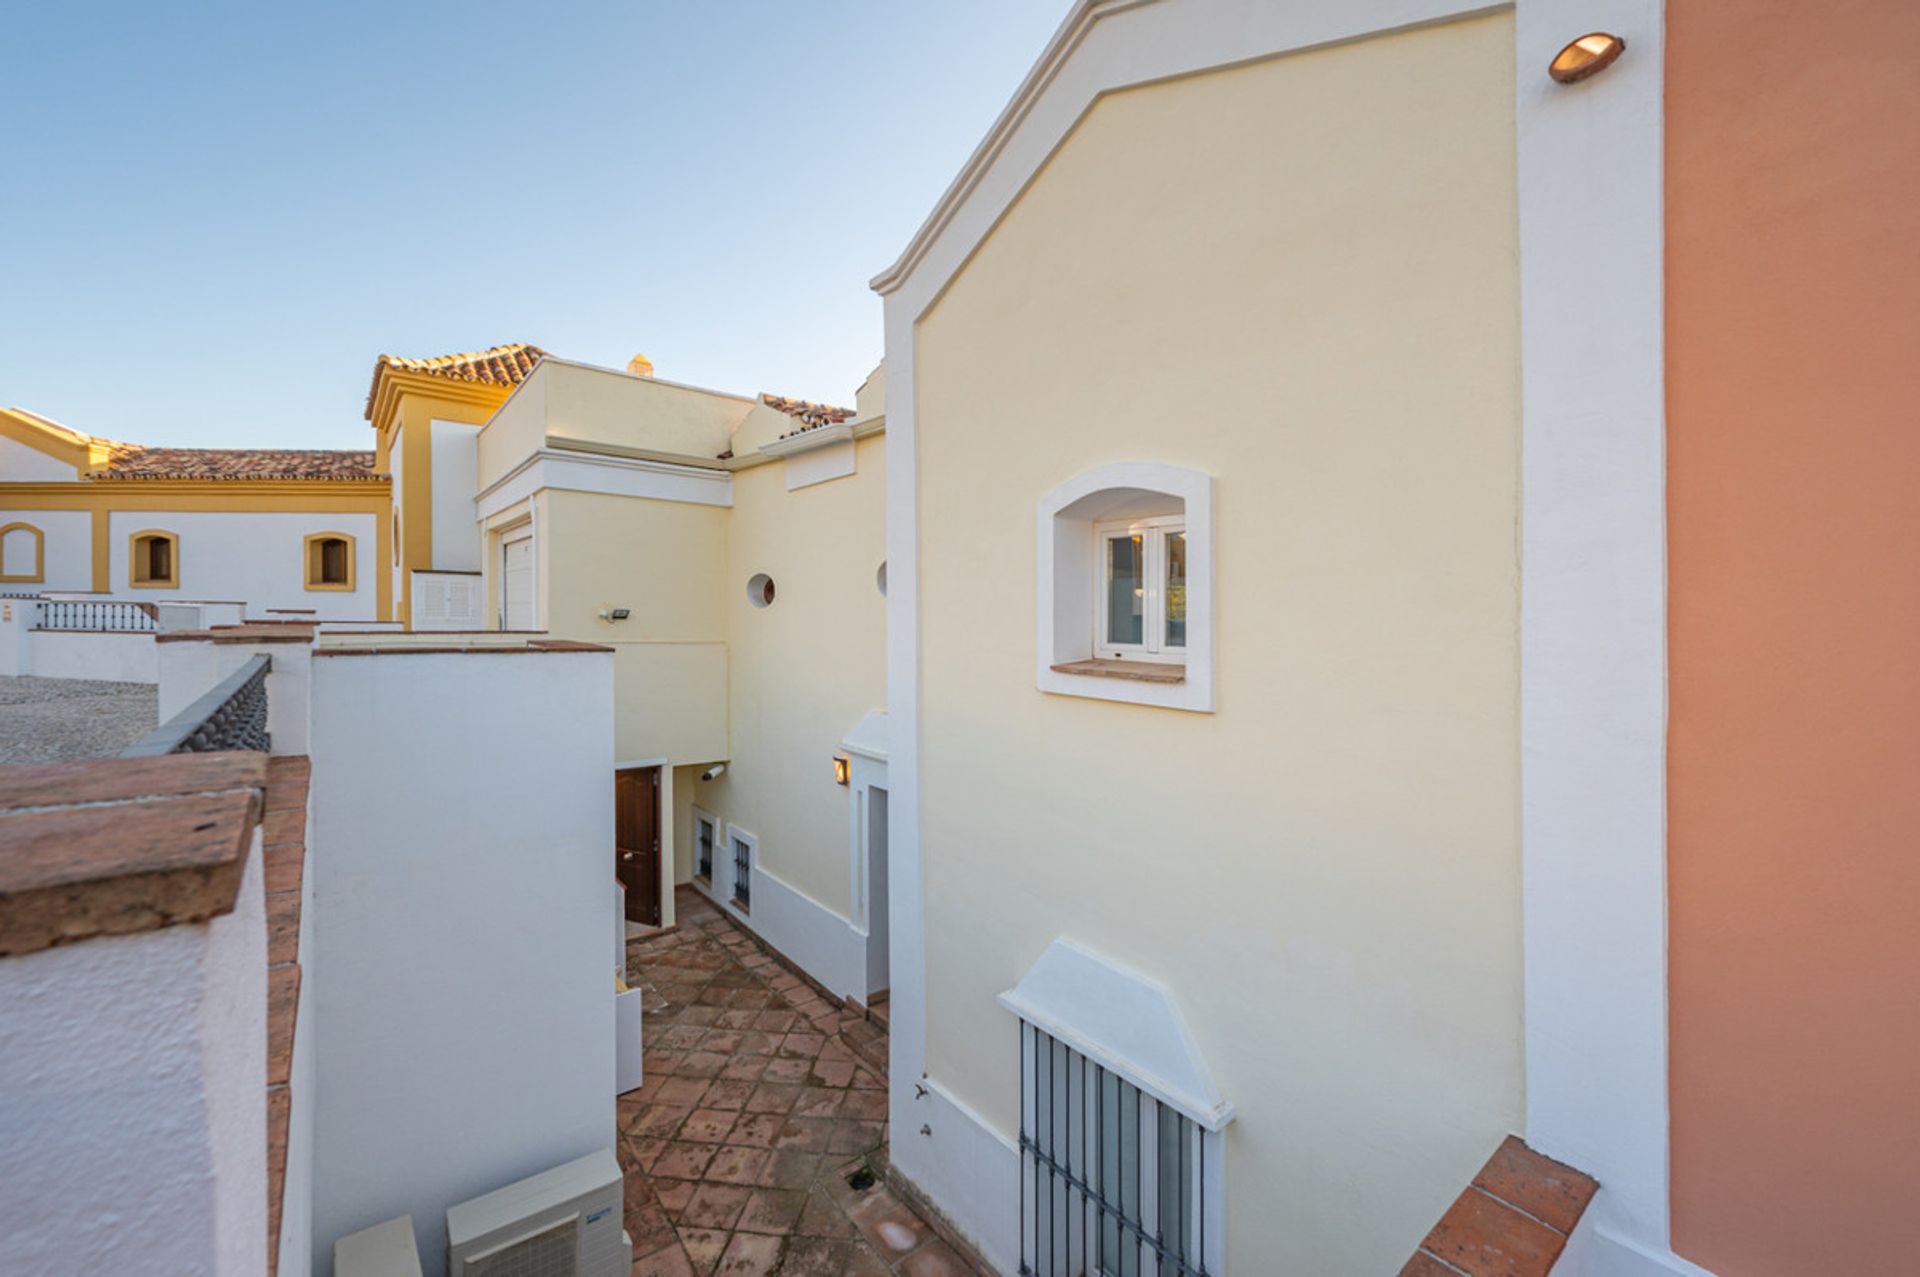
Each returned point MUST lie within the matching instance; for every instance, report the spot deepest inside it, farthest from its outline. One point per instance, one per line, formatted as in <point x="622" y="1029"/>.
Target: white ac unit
<point x="447" y="600"/>
<point x="560" y="1223"/>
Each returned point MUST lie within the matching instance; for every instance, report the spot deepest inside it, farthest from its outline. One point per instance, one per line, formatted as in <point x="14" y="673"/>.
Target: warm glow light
<point x="1588" y="55"/>
<point x="842" y="769"/>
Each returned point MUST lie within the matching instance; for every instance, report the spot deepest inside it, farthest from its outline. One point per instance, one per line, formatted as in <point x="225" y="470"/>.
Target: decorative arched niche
<point x="1125" y="611"/>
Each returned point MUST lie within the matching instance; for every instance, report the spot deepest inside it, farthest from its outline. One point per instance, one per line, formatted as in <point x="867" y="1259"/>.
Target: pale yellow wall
<point x="517" y="430"/>
<point x="804" y="670"/>
<point x="664" y="561"/>
<point x="1300" y="277"/>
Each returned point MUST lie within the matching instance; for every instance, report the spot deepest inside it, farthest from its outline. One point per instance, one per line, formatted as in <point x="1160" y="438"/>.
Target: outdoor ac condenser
<point x="560" y="1223"/>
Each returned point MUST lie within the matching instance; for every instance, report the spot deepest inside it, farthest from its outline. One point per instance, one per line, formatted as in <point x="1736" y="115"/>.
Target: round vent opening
<point x="760" y="590"/>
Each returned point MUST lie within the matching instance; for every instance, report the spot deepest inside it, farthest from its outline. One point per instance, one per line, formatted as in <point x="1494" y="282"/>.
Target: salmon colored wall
<point x="1793" y="383"/>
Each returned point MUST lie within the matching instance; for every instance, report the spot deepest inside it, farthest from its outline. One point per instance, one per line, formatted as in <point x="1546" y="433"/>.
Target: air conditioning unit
<point x="560" y="1223"/>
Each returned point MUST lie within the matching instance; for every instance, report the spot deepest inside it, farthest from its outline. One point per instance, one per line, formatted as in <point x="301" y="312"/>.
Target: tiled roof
<point x="131" y="461"/>
<point x="507" y="365"/>
<point x="811" y="415"/>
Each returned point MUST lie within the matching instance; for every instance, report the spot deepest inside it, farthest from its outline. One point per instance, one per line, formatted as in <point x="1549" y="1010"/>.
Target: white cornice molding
<point x="1065" y="40"/>
<point x="808" y="440"/>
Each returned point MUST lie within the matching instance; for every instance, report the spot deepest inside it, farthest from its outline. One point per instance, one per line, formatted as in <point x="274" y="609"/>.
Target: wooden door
<point x="636" y="841"/>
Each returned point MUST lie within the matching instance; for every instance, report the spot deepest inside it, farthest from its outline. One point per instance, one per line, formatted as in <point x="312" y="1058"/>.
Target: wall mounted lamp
<point x="615" y="613"/>
<point x="842" y="769"/>
<point x="1589" y="55"/>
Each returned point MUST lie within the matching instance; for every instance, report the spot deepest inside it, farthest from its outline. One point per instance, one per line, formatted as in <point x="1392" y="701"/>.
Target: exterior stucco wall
<point x="135" y="1125"/>
<point x="664" y="561"/>
<point x="486" y="1063"/>
<point x="67" y="546"/>
<point x="258" y="559"/>
<point x="1299" y="277"/>
<point x="1793" y="311"/>
<point x="803" y="670"/>
<point x="22" y="463"/>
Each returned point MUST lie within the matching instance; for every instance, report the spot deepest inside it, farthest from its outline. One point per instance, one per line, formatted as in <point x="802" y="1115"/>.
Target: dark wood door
<point x="636" y="841"/>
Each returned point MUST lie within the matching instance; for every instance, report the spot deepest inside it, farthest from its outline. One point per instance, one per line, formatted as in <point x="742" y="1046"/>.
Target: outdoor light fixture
<point x="615" y="613"/>
<point x="1589" y="55"/>
<point x="842" y="769"/>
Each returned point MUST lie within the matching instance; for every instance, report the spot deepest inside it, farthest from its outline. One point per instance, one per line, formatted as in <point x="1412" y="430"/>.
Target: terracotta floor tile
<point x="802" y="1046"/>
<point x="683" y="1161"/>
<point x="757" y="1130"/>
<point x="889" y="1226"/>
<point x="746" y="1068"/>
<point x="669" y="1262"/>
<point x="704" y="1248"/>
<point x="737" y="1165"/>
<point x="936" y="1259"/>
<point x="788" y="1070"/>
<point x="708" y="1126"/>
<point x="772" y="1210"/>
<point x="650" y="1228"/>
<point x="706" y="1064"/>
<point x="819" y="1101"/>
<point x="790" y="1168"/>
<point x="865" y="1105"/>
<point x="673" y="1195"/>
<point x="681" y="1091"/>
<point x="750" y="1255"/>
<point x="809" y="1134"/>
<point x="821" y="1218"/>
<point x="714" y="1206"/>
<point x="831" y="1073"/>
<point x="856" y="1137"/>
<point x="772" y="1097"/>
<point x="727" y="1094"/>
<point x="658" y="1119"/>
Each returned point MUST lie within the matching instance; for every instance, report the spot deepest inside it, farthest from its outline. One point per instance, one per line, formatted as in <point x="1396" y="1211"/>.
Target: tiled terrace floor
<point x="756" y="1110"/>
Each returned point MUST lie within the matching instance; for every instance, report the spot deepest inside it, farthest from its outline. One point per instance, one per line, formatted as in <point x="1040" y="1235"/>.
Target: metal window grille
<point x="1114" y="1183"/>
<point x="703" y="834"/>
<point x="742" y="869"/>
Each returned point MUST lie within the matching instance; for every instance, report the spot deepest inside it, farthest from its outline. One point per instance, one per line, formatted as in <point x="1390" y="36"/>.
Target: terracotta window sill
<point x="1136" y="671"/>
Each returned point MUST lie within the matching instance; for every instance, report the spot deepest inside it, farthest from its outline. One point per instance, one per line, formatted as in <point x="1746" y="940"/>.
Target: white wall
<point x="456" y="475"/>
<point x="116" y="658"/>
<point x="259" y="558"/>
<point x="69" y="547"/>
<point x="22" y="464"/>
<point x="133" y="1106"/>
<point x="460" y="854"/>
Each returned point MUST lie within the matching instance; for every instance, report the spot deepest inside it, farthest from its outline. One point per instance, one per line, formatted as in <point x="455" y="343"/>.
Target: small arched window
<point x="23" y="554"/>
<point x="329" y="561"/>
<point x="153" y="560"/>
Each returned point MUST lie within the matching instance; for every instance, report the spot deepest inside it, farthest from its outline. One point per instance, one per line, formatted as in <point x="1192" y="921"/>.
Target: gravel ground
<point x="49" y="720"/>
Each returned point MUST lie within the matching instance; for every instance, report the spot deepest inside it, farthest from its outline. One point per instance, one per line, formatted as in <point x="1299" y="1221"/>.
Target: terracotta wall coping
<point x="256" y="632"/>
<point x="1512" y="1221"/>
<point x="122" y="845"/>
<point x="478" y="649"/>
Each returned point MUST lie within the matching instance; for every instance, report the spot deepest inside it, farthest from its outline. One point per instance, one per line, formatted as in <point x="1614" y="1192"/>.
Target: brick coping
<point x="1513" y="1220"/>
<point x="121" y="846"/>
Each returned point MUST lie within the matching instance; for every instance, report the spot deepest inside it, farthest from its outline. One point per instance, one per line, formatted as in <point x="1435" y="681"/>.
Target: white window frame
<point x="1152" y="532"/>
<point x="701" y="816"/>
<point x="1071" y="598"/>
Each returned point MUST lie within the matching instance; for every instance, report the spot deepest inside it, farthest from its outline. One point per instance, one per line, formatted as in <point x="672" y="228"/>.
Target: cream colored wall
<point x="517" y="429"/>
<point x="804" y="670"/>
<point x="665" y="561"/>
<point x="1300" y="277"/>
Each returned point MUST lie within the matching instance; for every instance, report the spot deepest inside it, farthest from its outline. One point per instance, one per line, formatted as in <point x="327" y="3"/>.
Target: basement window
<point x="329" y="561"/>
<point x="1126" y="606"/>
<point x="154" y="560"/>
<point x="706" y="834"/>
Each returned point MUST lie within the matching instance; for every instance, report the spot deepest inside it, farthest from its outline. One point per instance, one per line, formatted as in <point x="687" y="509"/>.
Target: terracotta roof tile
<point x="131" y="461"/>
<point x="812" y="416"/>
<point x="507" y="365"/>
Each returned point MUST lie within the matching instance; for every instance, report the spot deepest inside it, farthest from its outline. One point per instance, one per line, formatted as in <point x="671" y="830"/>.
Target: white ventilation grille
<point x="446" y="601"/>
<point x="550" y="1252"/>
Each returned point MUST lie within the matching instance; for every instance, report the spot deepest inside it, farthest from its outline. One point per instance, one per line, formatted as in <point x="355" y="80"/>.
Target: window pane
<point x="1176" y="589"/>
<point x="1125" y="590"/>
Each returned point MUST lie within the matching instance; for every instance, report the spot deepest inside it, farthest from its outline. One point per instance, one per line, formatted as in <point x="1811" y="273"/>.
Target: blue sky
<point x="218" y="214"/>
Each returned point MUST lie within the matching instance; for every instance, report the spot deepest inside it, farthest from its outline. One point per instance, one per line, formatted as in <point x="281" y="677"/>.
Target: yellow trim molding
<point x="313" y="556"/>
<point x="39" y="555"/>
<point x="136" y="552"/>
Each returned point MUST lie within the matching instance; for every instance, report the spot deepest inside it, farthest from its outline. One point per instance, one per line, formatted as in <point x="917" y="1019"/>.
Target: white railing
<point x="62" y="614"/>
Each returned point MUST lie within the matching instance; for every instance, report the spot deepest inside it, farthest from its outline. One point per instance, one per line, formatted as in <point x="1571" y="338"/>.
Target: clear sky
<point x="217" y="214"/>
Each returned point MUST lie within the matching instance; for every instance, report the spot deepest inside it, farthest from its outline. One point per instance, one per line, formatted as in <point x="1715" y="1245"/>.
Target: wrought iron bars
<point x="231" y="716"/>
<point x="68" y="614"/>
<point x="742" y="871"/>
<point x="1113" y="1181"/>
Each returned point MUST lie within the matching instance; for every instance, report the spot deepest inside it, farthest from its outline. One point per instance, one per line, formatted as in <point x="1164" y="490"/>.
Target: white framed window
<point x="1125" y="608"/>
<point x="1140" y="589"/>
<point x="1122" y="1130"/>
<point x="706" y="844"/>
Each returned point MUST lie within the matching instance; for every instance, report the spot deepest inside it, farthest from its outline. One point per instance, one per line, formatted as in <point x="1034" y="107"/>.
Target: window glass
<point x="1176" y="589"/>
<point x="1126" y="593"/>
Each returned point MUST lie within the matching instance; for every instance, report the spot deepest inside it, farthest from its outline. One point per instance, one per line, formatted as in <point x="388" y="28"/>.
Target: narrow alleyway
<point x="759" y="1143"/>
